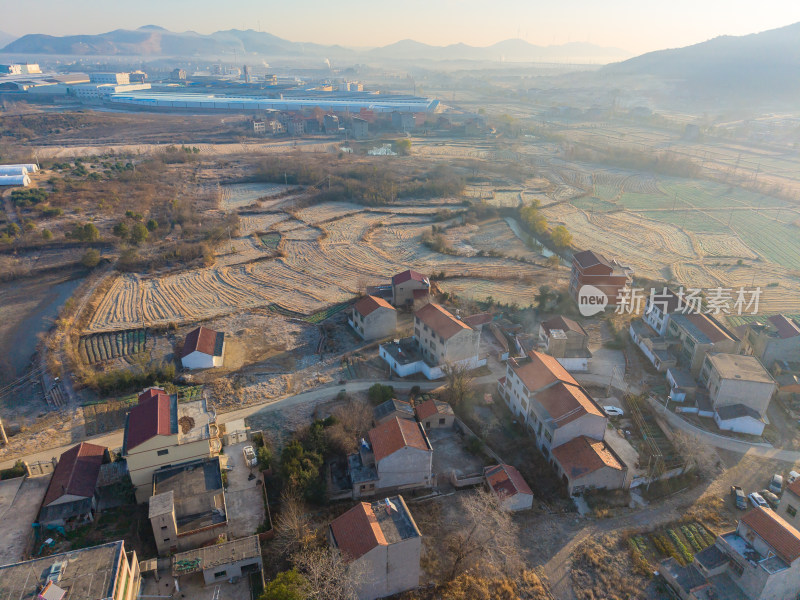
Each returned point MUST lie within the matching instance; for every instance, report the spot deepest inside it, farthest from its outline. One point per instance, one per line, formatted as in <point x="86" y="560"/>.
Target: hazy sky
<point x="635" y="25"/>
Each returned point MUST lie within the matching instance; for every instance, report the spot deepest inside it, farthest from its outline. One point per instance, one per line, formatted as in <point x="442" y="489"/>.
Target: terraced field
<point x="106" y="346"/>
<point x="328" y="253"/>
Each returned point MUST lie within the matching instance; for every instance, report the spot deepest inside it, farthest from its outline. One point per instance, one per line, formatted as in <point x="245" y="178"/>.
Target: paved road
<point x="114" y="439"/>
<point x="719" y="441"/>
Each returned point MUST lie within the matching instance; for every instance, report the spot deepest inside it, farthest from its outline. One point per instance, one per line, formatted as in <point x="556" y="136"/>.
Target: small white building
<point x="739" y="418"/>
<point x="509" y="487"/>
<point x="204" y="348"/>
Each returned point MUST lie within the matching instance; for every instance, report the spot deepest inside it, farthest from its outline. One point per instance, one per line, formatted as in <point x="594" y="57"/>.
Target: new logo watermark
<point x="591" y="300"/>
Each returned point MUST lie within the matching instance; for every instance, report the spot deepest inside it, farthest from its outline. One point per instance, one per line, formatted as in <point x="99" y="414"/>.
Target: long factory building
<point x="340" y="103"/>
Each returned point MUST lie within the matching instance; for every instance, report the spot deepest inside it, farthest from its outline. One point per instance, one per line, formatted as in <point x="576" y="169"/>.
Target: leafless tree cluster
<point x="459" y="382"/>
<point x="489" y="540"/>
<point x="698" y="455"/>
<point x="327" y="575"/>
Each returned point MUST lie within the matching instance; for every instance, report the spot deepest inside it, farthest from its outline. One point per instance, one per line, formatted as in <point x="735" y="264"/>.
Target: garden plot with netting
<point x="102" y="347"/>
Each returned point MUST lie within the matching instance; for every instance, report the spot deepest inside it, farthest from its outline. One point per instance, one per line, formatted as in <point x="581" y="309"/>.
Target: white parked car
<point x="250" y="458"/>
<point x="613" y="411"/>
<point x="758" y="500"/>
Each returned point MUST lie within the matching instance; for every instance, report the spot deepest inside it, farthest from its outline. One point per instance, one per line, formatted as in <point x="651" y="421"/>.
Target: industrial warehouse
<point x="334" y="102"/>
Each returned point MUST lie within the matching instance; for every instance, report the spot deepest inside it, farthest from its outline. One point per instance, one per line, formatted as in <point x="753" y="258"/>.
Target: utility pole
<point x="3" y="433"/>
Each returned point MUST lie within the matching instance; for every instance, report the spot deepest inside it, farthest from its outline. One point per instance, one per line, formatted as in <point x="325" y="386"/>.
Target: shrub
<point x="47" y="235"/>
<point x="91" y="258"/>
<point x="18" y="470"/>
<point x="379" y="393"/>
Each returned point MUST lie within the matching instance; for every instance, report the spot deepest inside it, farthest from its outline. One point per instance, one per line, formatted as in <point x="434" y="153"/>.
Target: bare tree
<point x="489" y="539"/>
<point x="697" y="454"/>
<point x="293" y="531"/>
<point x="328" y="574"/>
<point x="459" y="380"/>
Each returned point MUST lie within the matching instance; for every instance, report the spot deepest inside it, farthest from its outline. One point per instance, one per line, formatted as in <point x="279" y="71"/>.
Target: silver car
<point x="250" y="458"/>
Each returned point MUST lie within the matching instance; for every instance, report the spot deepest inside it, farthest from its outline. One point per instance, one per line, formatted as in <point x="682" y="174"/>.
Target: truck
<point x="738" y="497"/>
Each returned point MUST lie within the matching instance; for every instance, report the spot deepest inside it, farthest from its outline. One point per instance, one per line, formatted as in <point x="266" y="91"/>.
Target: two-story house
<point x="759" y="560"/>
<point x="444" y="338"/>
<point x="568" y="425"/>
<point x="409" y="287"/>
<point x="775" y="339"/>
<point x="592" y="268"/>
<point x="440" y="338"/>
<point x="159" y="432"/>
<point x="385" y="544"/>
<point x="373" y="318"/>
<point x="567" y="341"/>
<point x="397" y="456"/>
<point x="733" y="379"/>
<point x="554" y="407"/>
<point x="697" y="335"/>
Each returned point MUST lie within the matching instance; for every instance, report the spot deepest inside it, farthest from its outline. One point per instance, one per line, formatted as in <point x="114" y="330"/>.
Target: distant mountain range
<point x="152" y="40"/>
<point x="6" y="38"/>
<point x="752" y="65"/>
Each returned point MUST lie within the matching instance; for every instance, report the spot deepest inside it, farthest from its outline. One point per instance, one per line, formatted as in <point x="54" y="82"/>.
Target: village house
<point x="733" y="379"/>
<point x="568" y="425"/>
<point x="106" y="571"/>
<point x="397" y="456"/>
<point x="510" y="488"/>
<point x="656" y="348"/>
<point x="659" y="307"/>
<point x="775" y="339"/>
<point x="435" y="414"/>
<point x="697" y="335"/>
<point x="759" y="560"/>
<point x="566" y="341"/>
<point x="551" y="404"/>
<point x="383" y="540"/>
<point x="373" y="318"/>
<point x="71" y="496"/>
<point x="221" y="562"/>
<point x="585" y="463"/>
<point x="739" y="418"/>
<point x="592" y="268"/>
<point x="390" y="409"/>
<point x="409" y="287"/>
<point x="203" y="348"/>
<point x="440" y="338"/>
<point x="160" y="432"/>
<point x="187" y="508"/>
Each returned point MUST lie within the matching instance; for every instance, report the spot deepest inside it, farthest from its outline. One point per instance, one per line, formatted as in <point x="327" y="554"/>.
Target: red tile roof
<point x="408" y="276"/>
<point x="589" y="258"/>
<point x="202" y="340"/>
<point x="357" y="531"/>
<point x="478" y="320"/>
<point x="369" y="304"/>
<point x="440" y="321"/>
<point x="395" y="434"/>
<point x="505" y="480"/>
<point x="704" y="323"/>
<point x="565" y="403"/>
<point x="149" y="418"/>
<point x="563" y="323"/>
<point x="582" y="455"/>
<point x="432" y="407"/>
<point x="786" y="328"/>
<point x="775" y="531"/>
<point x="541" y="370"/>
<point x="76" y="472"/>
